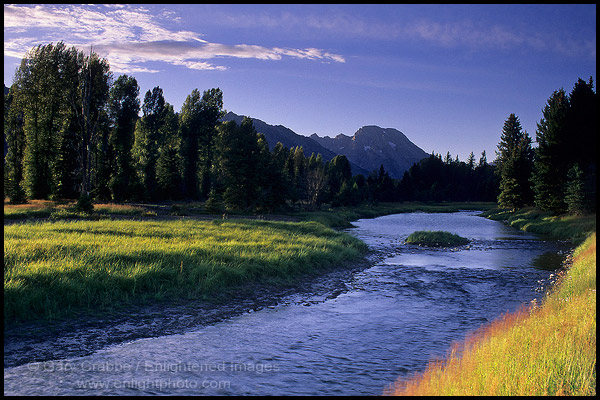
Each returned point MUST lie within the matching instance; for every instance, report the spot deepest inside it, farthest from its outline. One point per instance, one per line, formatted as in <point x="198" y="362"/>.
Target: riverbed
<point x="379" y="323"/>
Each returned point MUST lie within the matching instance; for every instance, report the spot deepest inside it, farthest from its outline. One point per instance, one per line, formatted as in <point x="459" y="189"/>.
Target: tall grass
<point x="546" y="350"/>
<point x="54" y="269"/>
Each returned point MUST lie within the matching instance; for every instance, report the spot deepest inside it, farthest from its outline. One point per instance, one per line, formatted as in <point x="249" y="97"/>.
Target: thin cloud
<point x="129" y="37"/>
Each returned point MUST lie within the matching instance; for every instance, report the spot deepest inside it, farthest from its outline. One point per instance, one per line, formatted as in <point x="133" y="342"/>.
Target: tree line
<point x="559" y="175"/>
<point x="74" y="132"/>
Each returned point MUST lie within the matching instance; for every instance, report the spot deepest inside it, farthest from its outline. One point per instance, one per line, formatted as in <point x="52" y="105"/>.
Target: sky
<point x="447" y="76"/>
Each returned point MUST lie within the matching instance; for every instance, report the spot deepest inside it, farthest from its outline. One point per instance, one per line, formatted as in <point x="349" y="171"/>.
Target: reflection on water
<point x="388" y="322"/>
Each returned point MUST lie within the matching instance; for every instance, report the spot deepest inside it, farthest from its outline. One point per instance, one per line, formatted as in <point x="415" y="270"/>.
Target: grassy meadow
<point x="53" y="269"/>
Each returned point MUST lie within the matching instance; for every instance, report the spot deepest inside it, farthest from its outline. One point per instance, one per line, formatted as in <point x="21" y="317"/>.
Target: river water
<point x="387" y="321"/>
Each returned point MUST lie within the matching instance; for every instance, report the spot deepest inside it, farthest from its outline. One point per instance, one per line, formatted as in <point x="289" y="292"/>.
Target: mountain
<point x="287" y="137"/>
<point x="372" y="146"/>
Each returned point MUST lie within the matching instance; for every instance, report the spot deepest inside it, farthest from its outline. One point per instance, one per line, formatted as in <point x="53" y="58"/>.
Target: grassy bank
<point x="52" y="269"/>
<point x="563" y="227"/>
<point x="545" y="350"/>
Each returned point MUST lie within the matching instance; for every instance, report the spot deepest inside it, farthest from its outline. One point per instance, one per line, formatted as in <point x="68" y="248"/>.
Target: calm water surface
<point x="390" y="319"/>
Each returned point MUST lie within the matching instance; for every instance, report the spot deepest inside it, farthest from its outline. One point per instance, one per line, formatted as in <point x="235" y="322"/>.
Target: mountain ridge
<point x="370" y="147"/>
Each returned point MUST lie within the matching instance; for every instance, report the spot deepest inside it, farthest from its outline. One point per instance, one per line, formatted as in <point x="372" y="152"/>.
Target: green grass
<point x="53" y="269"/>
<point x="436" y="239"/>
<point x="545" y="350"/>
<point x="562" y="227"/>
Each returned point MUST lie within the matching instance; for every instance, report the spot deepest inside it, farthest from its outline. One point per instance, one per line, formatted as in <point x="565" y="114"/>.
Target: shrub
<point x="436" y="239"/>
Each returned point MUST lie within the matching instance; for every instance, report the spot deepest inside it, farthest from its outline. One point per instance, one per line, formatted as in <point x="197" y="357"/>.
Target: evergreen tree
<point x="582" y="121"/>
<point x="515" y="163"/>
<point x="338" y="172"/>
<point x="551" y="158"/>
<point x="574" y="193"/>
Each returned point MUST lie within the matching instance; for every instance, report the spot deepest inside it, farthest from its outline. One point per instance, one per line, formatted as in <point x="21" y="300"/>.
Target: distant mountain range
<point x="372" y="146"/>
<point x="369" y="148"/>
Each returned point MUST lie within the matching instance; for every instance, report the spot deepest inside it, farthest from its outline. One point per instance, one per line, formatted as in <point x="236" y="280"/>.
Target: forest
<point x="74" y="132"/>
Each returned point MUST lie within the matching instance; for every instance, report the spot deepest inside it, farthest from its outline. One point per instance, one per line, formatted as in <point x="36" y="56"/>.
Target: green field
<point x="53" y="269"/>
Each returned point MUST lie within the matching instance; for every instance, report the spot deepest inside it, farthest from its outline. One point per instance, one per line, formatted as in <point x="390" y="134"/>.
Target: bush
<point x="84" y="204"/>
<point x="436" y="239"/>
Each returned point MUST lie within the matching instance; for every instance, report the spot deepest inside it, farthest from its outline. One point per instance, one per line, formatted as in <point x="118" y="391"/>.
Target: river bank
<point x="545" y="349"/>
<point x="381" y="321"/>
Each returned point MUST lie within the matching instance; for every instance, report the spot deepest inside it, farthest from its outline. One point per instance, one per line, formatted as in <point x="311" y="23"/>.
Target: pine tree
<point x="582" y="121"/>
<point x="551" y="158"/>
<point x="514" y="161"/>
<point x="574" y="192"/>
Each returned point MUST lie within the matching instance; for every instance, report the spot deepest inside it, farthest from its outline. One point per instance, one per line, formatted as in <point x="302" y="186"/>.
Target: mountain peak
<point x="372" y="146"/>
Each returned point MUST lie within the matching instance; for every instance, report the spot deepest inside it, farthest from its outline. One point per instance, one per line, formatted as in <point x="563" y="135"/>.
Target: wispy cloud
<point x="459" y="33"/>
<point x="130" y="37"/>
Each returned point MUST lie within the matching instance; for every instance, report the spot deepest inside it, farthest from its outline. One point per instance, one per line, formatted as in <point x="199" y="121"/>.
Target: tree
<point x="15" y="141"/>
<point x="338" y="172"/>
<point x="169" y="164"/>
<point x="316" y="180"/>
<point x="582" y="125"/>
<point x="123" y="109"/>
<point x="237" y="158"/>
<point x="89" y="104"/>
<point x="148" y="140"/>
<point x="574" y="193"/>
<point x="515" y="163"/>
<point x="551" y="158"/>
<point x="198" y="121"/>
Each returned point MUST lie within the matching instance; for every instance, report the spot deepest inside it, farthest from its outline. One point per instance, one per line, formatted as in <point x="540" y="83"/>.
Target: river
<point x="387" y="321"/>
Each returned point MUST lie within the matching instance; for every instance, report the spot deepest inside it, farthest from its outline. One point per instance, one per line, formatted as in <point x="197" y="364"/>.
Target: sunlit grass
<point x="547" y="350"/>
<point x="54" y="268"/>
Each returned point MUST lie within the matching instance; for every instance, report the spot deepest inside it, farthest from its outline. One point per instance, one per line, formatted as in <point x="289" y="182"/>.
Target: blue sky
<point x="447" y="76"/>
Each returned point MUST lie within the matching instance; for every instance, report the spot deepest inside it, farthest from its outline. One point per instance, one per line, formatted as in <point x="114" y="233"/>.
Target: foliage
<point x="436" y="239"/>
<point x="71" y="130"/>
<point x="514" y="165"/>
<point x="566" y="136"/>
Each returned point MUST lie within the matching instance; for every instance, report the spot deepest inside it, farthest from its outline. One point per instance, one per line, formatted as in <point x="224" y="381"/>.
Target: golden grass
<point x="546" y="350"/>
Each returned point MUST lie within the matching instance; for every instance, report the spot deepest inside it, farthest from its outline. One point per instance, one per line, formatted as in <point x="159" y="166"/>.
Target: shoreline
<point x="39" y="341"/>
